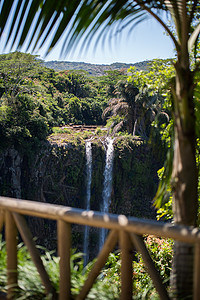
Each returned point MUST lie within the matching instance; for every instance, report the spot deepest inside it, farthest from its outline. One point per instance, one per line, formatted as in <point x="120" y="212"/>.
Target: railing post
<point x="2" y="216"/>
<point x="126" y="266"/>
<point x="35" y="255"/>
<point x="11" y="247"/>
<point x="154" y="274"/>
<point x="64" y="246"/>
<point x="100" y="262"/>
<point x="196" y="271"/>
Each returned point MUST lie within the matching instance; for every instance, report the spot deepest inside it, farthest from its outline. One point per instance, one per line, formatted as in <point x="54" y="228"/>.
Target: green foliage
<point x="197" y="97"/>
<point x="2" y="265"/>
<point x="30" y="286"/>
<point x="159" y="78"/>
<point x="164" y="191"/>
<point x="57" y="130"/>
<point x="92" y="69"/>
<point x="142" y="101"/>
<point x="156" y="77"/>
<point x="99" y="132"/>
<point x="113" y="121"/>
<point x="155" y="83"/>
<point x="34" y="99"/>
<point x="111" y="79"/>
<point x="107" y="285"/>
<point x="165" y="211"/>
<point x="21" y="122"/>
<point x="161" y="253"/>
<point x="15" y="72"/>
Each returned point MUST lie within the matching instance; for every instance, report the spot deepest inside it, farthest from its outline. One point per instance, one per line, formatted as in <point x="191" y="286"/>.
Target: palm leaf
<point x="119" y="108"/>
<point x="162" y="194"/>
<point x="5" y="12"/>
<point x="113" y="101"/>
<point x="106" y="111"/>
<point x="73" y="19"/>
<point x="19" y="6"/>
<point x="118" y="127"/>
<point x="193" y="37"/>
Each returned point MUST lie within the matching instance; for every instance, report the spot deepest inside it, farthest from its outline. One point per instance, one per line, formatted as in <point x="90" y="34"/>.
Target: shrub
<point x="161" y="253"/>
<point x="107" y="285"/>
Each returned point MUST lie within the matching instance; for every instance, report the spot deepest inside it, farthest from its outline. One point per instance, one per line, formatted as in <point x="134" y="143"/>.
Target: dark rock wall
<point x="135" y="180"/>
<point x="10" y="173"/>
<point x="57" y="174"/>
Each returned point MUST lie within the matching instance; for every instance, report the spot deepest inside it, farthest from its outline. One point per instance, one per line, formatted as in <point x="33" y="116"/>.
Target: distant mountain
<point x="92" y="69"/>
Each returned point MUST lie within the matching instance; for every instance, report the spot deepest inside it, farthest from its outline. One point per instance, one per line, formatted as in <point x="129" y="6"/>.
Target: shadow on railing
<point x="127" y="231"/>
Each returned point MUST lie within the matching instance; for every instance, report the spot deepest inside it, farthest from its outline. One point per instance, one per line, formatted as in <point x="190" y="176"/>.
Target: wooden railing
<point x="128" y="231"/>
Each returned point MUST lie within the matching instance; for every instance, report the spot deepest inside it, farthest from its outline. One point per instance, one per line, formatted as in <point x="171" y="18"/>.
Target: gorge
<point x="75" y="172"/>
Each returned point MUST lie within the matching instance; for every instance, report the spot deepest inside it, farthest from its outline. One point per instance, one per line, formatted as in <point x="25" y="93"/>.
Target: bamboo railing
<point x="127" y="231"/>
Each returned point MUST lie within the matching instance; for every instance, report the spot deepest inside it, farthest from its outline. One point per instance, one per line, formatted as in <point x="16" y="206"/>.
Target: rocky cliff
<point x="56" y="173"/>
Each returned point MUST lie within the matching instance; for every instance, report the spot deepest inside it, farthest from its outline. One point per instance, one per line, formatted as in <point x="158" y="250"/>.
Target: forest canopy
<point x="34" y="99"/>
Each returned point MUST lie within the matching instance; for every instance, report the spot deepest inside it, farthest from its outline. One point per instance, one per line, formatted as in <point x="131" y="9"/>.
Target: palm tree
<point x="131" y="109"/>
<point x="122" y="108"/>
<point x="37" y="19"/>
<point x="116" y="113"/>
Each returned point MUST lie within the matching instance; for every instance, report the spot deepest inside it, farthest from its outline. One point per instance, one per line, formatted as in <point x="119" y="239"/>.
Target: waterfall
<point x="88" y="152"/>
<point x="107" y="185"/>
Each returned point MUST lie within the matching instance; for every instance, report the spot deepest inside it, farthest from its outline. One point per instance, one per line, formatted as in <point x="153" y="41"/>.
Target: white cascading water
<point x="88" y="152"/>
<point x="107" y="185"/>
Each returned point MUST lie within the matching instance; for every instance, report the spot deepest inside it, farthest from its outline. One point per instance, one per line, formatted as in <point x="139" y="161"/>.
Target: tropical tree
<point x="36" y="20"/>
<point x="130" y="109"/>
<point x="154" y="94"/>
<point x="110" y="79"/>
<point x="20" y="118"/>
<point x="16" y="69"/>
<point x="121" y="109"/>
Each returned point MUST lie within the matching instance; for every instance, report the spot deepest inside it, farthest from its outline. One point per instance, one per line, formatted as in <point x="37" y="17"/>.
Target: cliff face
<point x="11" y="173"/>
<point x="135" y="179"/>
<point x="56" y="173"/>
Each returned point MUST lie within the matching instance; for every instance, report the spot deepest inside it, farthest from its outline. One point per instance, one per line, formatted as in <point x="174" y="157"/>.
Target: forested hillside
<point x="35" y="99"/>
<point x="93" y="69"/>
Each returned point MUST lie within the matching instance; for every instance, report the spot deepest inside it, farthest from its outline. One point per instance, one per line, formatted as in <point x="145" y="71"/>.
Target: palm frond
<point x="194" y="37"/>
<point x="119" y="108"/>
<point x="34" y="21"/>
<point x="118" y="127"/>
<point x="162" y="194"/>
<point x="114" y="101"/>
<point x="106" y="111"/>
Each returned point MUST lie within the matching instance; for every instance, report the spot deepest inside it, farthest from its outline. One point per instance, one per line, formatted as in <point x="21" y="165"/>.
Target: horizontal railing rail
<point x="98" y="219"/>
<point x="127" y="230"/>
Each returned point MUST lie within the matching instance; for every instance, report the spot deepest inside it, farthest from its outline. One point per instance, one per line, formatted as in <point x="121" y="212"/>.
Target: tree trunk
<point x="184" y="179"/>
<point x="184" y="182"/>
<point x="181" y="280"/>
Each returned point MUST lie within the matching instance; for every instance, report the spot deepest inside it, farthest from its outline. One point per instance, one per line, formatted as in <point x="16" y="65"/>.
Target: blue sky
<point x="146" y="41"/>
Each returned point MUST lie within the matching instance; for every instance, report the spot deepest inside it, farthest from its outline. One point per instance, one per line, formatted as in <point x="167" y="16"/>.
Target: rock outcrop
<point x="56" y="174"/>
